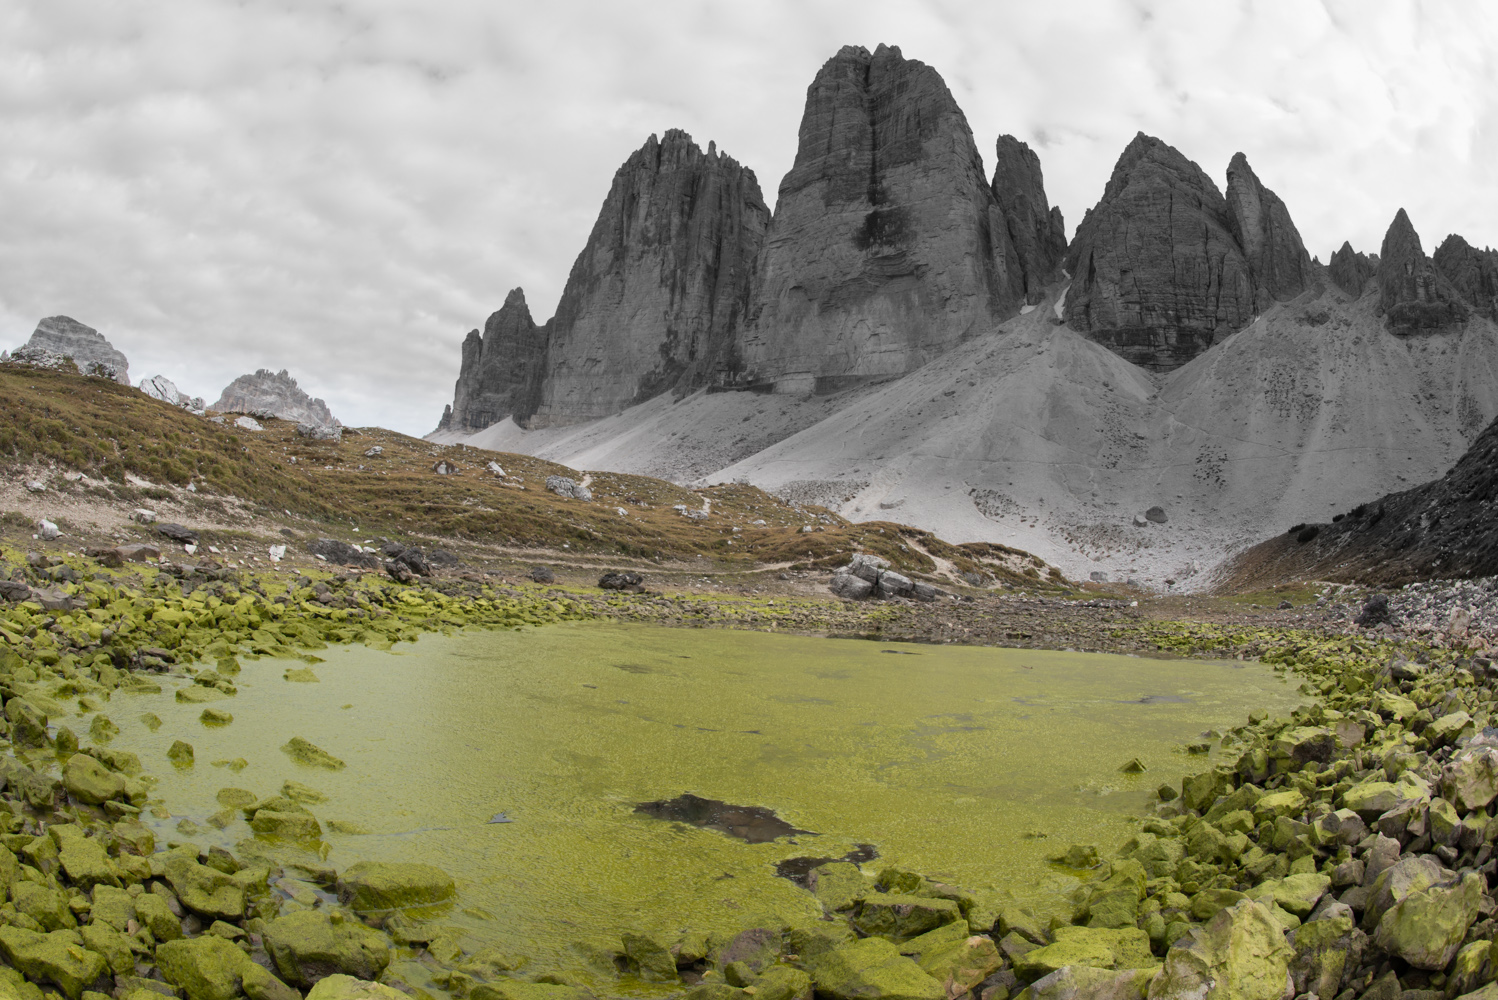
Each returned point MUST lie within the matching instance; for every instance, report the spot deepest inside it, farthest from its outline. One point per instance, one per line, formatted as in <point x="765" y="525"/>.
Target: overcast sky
<point x="345" y="189"/>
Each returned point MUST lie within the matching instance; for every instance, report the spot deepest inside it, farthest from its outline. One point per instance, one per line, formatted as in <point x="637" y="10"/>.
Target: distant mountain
<point x="66" y="337"/>
<point x="275" y="394"/>
<point x="907" y="337"/>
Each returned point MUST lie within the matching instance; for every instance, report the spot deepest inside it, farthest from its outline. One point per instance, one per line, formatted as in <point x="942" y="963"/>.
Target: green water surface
<point x="967" y="764"/>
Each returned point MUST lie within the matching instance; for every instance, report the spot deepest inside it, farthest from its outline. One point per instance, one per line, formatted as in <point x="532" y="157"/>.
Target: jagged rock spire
<point x="1036" y="230"/>
<point x="1411" y="294"/>
<point x="1259" y="220"/>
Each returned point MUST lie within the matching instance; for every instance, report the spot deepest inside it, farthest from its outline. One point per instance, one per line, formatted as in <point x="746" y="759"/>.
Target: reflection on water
<point x="515" y="760"/>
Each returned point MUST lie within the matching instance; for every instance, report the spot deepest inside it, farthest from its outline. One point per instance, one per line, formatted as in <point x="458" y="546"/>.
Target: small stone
<point x="306" y="753"/>
<point x="215" y="717"/>
<point x="180" y="754"/>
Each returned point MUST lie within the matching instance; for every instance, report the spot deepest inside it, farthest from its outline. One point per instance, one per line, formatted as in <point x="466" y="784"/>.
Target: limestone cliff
<point x="664" y="277"/>
<point x="501" y="370"/>
<point x="1036" y="230"/>
<point x="1156" y="271"/>
<point x="887" y="246"/>
<point x="1350" y="270"/>
<point x="1412" y="294"/>
<point x="1473" y="273"/>
<point x="66" y="337"/>
<point x="1259" y="220"/>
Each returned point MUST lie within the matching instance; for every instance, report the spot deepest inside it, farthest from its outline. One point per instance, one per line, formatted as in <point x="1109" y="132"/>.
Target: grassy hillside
<point x="112" y="432"/>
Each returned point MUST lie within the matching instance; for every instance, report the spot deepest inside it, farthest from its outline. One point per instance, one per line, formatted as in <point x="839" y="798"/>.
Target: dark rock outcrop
<point x="1350" y="270"/>
<point x="1412" y="295"/>
<point x="1036" y="230"/>
<point x="887" y="246"/>
<point x="1259" y="220"/>
<point x="660" y="285"/>
<point x="1473" y="273"/>
<point x="501" y="371"/>
<point x="1157" y="274"/>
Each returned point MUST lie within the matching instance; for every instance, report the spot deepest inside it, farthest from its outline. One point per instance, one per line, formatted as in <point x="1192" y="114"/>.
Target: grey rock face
<point x="1037" y="231"/>
<point x="887" y="245"/>
<point x="1277" y="258"/>
<point x="1350" y="270"/>
<point x="664" y="278"/>
<point x="1156" y="271"/>
<point x="268" y="394"/>
<point x="501" y="371"/>
<point x="65" y="336"/>
<point x="563" y="486"/>
<point x="1473" y="273"/>
<point x="1412" y="295"/>
<point x="162" y="388"/>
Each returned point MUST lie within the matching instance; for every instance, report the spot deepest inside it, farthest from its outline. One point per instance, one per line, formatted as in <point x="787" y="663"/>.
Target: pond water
<point x="967" y="764"/>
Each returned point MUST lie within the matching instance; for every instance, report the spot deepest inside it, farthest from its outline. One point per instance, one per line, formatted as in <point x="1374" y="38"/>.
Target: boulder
<point x="621" y="580"/>
<point x="343" y="553"/>
<point x="206" y="891"/>
<point x="892" y="584"/>
<point x="1240" y="955"/>
<point x="868" y="968"/>
<point x="1098" y="948"/>
<point x="850" y="587"/>
<point x="58" y="957"/>
<point x="562" y="486"/>
<point x="541" y="574"/>
<point x="1326" y="952"/>
<point x="1427" y="926"/>
<point x="387" y="885"/>
<point x="274" y="394"/>
<point x="899" y="917"/>
<point x="838" y="885"/>
<point x="1080" y="982"/>
<point x="649" y="956"/>
<point x="154" y="915"/>
<point x="1470" y="779"/>
<point x="307" y="945"/>
<point x="309" y="755"/>
<point x="91" y="782"/>
<point x="206" y="968"/>
<point x="342" y="987"/>
<point x="64" y="336"/>
<point x="1411" y="873"/>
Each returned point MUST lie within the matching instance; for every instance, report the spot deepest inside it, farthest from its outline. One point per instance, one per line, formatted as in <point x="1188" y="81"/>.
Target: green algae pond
<point x="515" y="760"/>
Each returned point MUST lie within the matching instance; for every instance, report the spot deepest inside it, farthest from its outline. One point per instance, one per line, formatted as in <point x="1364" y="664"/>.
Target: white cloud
<point x="345" y="190"/>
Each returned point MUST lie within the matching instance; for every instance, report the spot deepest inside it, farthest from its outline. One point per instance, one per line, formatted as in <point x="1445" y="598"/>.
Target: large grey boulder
<point x="162" y="388"/>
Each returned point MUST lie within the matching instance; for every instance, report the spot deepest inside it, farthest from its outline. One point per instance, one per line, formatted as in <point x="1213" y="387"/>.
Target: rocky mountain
<point x="660" y="285"/>
<point x="1277" y="259"/>
<point x="1412" y="294"/>
<point x="1473" y="273"/>
<point x="1036" y="230"/>
<point x="268" y="394"/>
<point x="1350" y="270"/>
<point x="1157" y="274"/>
<point x="501" y="371"/>
<point x="888" y="244"/>
<point x="66" y="337"/>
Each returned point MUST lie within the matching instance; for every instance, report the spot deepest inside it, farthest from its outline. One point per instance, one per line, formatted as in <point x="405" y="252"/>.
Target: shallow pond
<point x="968" y="764"/>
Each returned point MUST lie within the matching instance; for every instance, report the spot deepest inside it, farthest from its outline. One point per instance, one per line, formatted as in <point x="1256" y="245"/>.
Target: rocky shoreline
<point x="1345" y="851"/>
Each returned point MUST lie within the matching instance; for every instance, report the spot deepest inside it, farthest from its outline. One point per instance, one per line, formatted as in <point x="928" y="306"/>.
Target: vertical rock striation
<point x="1350" y="270"/>
<point x="664" y="278"/>
<point x="1259" y="220"/>
<point x="1412" y="295"/>
<point x="66" y="337"/>
<point x="1157" y="273"/>
<point x="501" y="371"/>
<point x="1473" y="273"/>
<point x="887" y="245"/>
<point x="1037" y="231"/>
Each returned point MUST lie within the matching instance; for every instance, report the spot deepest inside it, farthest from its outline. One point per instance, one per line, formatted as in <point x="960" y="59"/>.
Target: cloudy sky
<point x="344" y="189"/>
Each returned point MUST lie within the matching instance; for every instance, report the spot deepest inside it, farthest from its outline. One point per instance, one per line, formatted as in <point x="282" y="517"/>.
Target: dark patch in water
<point x="900" y="652"/>
<point x="750" y="823"/>
<point x="1158" y="699"/>
<point x="797" y="869"/>
<point x="634" y="668"/>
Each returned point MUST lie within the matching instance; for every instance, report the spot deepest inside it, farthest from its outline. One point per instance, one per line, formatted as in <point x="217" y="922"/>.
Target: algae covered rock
<point x="1470" y="779"/>
<point x="206" y="891"/>
<point x="1325" y="952"/>
<point x="871" y="967"/>
<point x="1427" y="926"/>
<point x="308" y="945"/>
<point x="516" y="989"/>
<point x="180" y="754"/>
<point x="154" y="914"/>
<point x="899" y="917"/>
<point x="259" y="984"/>
<point x="957" y="959"/>
<point x="91" y="782"/>
<point x="306" y="753"/>
<point x="388" y="885"/>
<point x="206" y="968"/>
<point x="1240" y="955"/>
<point x="112" y="906"/>
<point x="86" y="862"/>
<point x="649" y="956"/>
<point x="58" y="957"/>
<point x="1094" y="947"/>
<point x="286" y="825"/>
<point x="1079" y="982"/>
<point x="342" y="987"/>
<point x="838" y="885"/>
